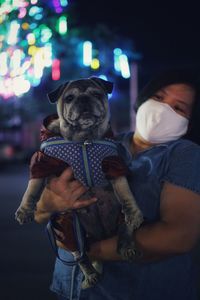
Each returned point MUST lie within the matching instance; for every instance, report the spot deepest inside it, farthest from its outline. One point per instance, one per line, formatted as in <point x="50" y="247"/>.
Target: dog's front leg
<point x="25" y="212"/>
<point x="133" y="217"/>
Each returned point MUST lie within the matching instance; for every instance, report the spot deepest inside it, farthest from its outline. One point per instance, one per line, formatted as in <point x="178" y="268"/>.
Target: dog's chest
<point x="84" y="158"/>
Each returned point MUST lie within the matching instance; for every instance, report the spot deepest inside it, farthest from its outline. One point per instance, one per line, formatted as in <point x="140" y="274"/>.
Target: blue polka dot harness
<point x="85" y="158"/>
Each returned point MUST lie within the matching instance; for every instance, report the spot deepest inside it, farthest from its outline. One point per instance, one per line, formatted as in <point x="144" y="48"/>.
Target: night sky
<point x="166" y="33"/>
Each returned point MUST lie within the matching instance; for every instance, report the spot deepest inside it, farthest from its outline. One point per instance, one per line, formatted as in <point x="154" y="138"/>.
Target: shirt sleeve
<point x="114" y="166"/>
<point x="43" y="165"/>
<point x="184" y="167"/>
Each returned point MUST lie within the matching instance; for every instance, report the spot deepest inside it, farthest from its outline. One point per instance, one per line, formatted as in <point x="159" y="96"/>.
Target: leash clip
<point x="87" y="142"/>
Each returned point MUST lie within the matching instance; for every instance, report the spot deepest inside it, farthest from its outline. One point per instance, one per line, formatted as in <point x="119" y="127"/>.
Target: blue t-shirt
<point x="173" y="278"/>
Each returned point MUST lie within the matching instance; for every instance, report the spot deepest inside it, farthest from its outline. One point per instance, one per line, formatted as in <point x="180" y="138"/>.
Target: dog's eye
<point x="97" y="95"/>
<point x="69" y="98"/>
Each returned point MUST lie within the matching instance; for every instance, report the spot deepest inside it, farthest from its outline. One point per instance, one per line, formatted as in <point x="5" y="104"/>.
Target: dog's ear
<point x="106" y="85"/>
<point x="54" y="95"/>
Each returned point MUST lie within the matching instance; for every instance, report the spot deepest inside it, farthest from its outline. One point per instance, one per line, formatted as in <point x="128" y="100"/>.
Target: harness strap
<point x="61" y="141"/>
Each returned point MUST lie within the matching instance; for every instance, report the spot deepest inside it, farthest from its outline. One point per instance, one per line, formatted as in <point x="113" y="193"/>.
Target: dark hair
<point x="189" y="77"/>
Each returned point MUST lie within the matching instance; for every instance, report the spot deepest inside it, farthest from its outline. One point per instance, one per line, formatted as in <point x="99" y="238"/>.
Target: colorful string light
<point x="87" y="53"/>
<point x="27" y="40"/>
<point x="26" y="48"/>
<point x="56" y="69"/>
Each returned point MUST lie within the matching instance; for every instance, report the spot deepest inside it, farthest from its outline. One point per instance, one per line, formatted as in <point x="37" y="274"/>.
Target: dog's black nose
<point x="85" y="104"/>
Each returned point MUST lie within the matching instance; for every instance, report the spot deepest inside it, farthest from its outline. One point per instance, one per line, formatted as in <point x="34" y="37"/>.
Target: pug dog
<point x="80" y="136"/>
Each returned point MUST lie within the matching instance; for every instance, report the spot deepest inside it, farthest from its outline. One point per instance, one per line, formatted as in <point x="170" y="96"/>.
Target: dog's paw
<point x="127" y="250"/>
<point x="23" y="215"/>
<point x="134" y="219"/>
<point x="90" y="280"/>
<point x="98" y="266"/>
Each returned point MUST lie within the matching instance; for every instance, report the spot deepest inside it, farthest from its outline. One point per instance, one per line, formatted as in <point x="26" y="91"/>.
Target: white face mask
<point x="157" y="122"/>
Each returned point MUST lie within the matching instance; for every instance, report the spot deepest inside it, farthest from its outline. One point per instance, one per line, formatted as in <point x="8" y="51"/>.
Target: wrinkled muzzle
<point x="85" y="112"/>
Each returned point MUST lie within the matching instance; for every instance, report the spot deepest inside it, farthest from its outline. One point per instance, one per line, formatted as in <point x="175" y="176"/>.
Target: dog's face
<point x="83" y="109"/>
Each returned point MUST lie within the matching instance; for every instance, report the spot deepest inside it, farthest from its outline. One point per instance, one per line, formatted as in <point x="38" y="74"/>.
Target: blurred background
<point x="45" y="43"/>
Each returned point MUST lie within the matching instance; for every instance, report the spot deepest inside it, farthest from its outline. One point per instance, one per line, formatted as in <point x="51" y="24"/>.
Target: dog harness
<point x="85" y="158"/>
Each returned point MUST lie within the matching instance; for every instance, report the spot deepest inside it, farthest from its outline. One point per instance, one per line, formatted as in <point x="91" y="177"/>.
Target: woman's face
<point x="179" y="96"/>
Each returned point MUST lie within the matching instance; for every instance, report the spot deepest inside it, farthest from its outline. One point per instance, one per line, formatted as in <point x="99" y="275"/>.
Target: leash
<point x="78" y="232"/>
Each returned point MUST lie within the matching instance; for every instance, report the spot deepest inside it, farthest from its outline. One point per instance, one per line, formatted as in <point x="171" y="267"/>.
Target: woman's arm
<point x="177" y="232"/>
<point x="61" y="194"/>
<point x="179" y="228"/>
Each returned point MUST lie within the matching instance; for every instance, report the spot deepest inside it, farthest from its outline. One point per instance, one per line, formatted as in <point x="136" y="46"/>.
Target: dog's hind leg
<point x="90" y="271"/>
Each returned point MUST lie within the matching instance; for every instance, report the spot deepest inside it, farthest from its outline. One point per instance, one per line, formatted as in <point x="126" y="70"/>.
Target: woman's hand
<point x="61" y="193"/>
<point x="69" y="191"/>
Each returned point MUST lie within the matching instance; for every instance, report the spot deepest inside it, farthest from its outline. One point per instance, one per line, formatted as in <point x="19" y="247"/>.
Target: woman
<point x="165" y="181"/>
